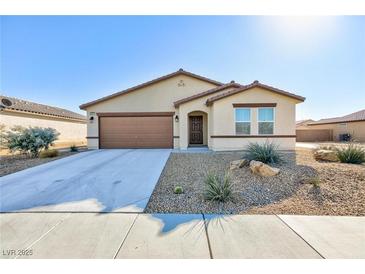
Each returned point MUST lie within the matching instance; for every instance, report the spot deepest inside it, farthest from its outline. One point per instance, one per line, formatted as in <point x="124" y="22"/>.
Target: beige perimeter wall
<point x="356" y="129"/>
<point x="70" y="132"/>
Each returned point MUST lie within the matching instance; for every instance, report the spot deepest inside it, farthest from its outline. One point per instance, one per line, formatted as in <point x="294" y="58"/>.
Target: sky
<point x="65" y="61"/>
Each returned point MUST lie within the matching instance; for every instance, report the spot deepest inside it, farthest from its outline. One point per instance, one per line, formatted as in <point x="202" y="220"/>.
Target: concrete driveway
<point x="94" y="181"/>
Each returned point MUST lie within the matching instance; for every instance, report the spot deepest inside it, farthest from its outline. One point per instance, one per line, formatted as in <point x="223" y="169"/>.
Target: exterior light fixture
<point x="177" y="118"/>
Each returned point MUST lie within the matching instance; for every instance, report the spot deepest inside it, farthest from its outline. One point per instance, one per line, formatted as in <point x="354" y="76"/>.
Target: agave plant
<point x="352" y="154"/>
<point x="218" y="188"/>
<point x="266" y="152"/>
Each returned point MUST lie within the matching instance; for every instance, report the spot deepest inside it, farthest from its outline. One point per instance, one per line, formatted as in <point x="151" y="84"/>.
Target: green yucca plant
<point x="266" y="152"/>
<point x="218" y="188"/>
<point x="352" y="154"/>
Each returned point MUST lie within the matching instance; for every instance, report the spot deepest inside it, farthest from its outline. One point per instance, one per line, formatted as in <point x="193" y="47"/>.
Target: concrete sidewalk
<point x="137" y="235"/>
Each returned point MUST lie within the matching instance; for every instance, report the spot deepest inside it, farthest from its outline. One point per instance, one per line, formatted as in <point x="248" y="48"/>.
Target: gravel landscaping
<point x="13" y="163"/>
<point x="340" y="190"/>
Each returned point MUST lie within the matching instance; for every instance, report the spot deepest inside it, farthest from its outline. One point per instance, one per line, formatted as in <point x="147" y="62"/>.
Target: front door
<point x="196" y="130"/>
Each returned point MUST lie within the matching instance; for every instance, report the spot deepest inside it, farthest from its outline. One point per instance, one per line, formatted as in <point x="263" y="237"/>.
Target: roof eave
<point x="44" y="114"/>
<point x="336" y="122"/>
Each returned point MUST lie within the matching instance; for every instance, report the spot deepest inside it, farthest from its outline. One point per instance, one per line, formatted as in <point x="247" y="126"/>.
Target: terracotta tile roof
<point x="353" y="117"/>
<point x="205" y="93"/>
<point x="179" y="72"/>
<point x="31" y="107"/>
<point x="253" y="85"/>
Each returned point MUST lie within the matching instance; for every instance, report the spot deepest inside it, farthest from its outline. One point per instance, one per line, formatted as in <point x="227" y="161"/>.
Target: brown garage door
<point x="136" y="132"/>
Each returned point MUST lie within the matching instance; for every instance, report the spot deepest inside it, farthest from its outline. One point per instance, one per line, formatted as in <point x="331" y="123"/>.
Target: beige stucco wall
<point x="158" y="97"/>
<point x="71" y="132"/>
<point x="356" y="129"/>
<point x="224" y="120"/>
<point x="222" y="144"/>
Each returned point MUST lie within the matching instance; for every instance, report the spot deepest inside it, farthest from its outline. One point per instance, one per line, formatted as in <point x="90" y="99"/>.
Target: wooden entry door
<point x="196" y="130"/>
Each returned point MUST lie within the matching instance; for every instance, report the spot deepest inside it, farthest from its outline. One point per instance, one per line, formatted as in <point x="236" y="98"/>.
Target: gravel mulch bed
<point x="13" y="163"/>
<point x="341" y="188"/>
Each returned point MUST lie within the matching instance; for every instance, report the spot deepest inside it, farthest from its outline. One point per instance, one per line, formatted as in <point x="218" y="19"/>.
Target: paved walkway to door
<point x="137" y="235"/>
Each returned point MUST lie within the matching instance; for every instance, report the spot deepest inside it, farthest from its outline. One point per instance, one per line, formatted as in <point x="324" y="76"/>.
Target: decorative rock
<point x="262" y="169"/>
<point x="238" y="164"/>
<point x="325" y="155"/>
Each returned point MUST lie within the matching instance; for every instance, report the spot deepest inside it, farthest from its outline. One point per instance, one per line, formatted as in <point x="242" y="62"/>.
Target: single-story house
<point x="18" y="112"/>
<point x="183" y="109"/>
<point x="303" y="123"/>
<point x="352" y="124"/>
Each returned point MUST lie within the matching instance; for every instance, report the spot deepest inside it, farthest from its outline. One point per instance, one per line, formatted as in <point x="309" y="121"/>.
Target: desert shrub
<point x="218" y="188"/>
<point x="48" y="153"/>
<point x="352" y="154"/>
<point x="266" y="152"/>
<point x="74" y="148"/>
<point x="2" y="136"/>
<point x="315" y="181"/>
<point x="178" y="190"/>
<point x="30" y="140"/>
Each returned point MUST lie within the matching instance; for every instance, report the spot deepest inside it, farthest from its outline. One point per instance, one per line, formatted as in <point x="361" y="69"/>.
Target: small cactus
<point x="178" y="190"/>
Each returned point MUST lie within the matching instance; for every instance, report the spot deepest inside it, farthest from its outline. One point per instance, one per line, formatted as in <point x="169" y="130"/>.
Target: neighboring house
<point x="183" y="109"/>
<point x="70" y="125"/>
<point x="353" y="124"/>
<point x="302" y="124"/>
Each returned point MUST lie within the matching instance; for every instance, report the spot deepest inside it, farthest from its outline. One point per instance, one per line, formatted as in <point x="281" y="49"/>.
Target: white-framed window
<point x="243" y="120"/>
<point x="266" y="120"/>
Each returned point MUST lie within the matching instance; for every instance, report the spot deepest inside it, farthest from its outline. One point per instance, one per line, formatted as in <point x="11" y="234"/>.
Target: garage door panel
<point x="136" y="132"/>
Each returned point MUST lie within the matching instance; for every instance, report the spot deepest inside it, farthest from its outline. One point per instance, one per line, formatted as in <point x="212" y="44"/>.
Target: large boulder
<point x="325" y="155"/>
<point x="238" y="164"/>
<point x="262" y="169"/>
